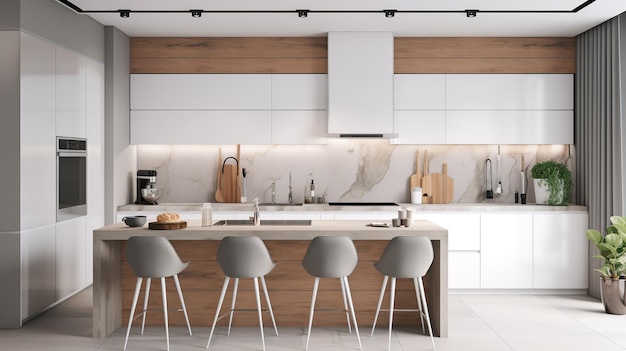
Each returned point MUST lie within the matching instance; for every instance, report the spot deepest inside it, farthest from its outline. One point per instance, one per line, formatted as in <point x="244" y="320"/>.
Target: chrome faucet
<point x="274" y="192"/>
<point x="290" y="192"/>
<point x="256" y="218"/>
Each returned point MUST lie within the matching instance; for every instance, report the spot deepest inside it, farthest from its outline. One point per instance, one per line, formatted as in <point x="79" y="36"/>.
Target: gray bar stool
<point x="332" y="257"/>
<point x="405" y="257"/>
<point x="153" y="257"/>
<point x="244" y="257"/>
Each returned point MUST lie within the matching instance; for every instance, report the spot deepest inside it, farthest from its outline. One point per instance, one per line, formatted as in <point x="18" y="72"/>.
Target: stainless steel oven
<point x="71" y="178"/>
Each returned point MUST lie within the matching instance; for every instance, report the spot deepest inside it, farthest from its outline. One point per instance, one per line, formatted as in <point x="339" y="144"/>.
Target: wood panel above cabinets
<point x="228" y="55"/>
<point x="309" y="55"/>
<point x="485" y="55"/>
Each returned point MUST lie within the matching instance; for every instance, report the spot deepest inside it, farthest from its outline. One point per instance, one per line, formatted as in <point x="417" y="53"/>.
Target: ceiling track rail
<point x="304" y="12"/>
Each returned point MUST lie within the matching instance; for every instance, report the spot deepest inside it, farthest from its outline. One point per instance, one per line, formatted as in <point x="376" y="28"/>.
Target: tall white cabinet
<point x="61" y="94"/>
<point x="37" y="170"/>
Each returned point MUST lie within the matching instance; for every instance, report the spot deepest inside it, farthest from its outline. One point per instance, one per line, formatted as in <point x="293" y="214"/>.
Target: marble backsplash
<point x="345" y="169"/>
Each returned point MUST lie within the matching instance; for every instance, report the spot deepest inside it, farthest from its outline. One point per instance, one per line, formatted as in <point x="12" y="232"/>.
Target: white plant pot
<point x="541" y="191"/>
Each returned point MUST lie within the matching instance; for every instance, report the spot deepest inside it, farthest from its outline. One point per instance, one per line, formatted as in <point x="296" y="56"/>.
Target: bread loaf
<point x="168" y="217"/>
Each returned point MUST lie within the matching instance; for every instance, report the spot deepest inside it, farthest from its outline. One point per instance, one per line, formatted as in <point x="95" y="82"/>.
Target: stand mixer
<point x="147" y="192"/>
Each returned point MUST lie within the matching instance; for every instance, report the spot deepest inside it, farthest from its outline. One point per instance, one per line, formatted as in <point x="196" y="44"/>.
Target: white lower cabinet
<point x="560" y="251"/>
<point x="464" y="270"/>
<point x="463" y="246"/>
<point x="70" y="257"/>
<point x="506" y="251"/>
<point x="38" y="270"/>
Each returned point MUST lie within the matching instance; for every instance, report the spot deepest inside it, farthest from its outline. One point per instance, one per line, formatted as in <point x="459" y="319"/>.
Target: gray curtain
<point x="598" y="129"/>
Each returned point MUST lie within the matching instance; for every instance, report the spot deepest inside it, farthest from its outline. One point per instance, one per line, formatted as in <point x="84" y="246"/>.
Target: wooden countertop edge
<point x="357" y="230"/>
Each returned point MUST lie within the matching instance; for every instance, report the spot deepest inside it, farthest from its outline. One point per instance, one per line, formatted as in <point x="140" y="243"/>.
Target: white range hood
<point x="360" y="84"/>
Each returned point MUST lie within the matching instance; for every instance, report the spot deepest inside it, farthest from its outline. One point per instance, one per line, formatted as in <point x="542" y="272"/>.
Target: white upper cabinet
<point x="200" y="91"/>
<point x="420" y="127"/>
<point x="419" y="92"/>
<point x="360" y="82"/>
<point x="37" y="133"/>
<point x="299" y="127"/>
<point x="509" y="92"/>
<point x="299" y="92"/>
<point x="510" y="127"/>
<point x="70" y="94"/>
<point x="200" y="127"/>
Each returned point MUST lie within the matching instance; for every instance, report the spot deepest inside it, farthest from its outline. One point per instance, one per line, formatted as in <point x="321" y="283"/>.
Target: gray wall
<point x="56" y="23"/>
<point x="120" y="157"/>
<point x="10" y="130"/>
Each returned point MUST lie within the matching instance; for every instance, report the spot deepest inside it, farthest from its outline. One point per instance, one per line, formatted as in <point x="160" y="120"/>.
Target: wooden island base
<point x="289" y="286"/>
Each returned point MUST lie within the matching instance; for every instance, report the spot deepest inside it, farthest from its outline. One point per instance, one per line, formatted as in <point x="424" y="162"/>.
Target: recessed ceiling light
<point x="389" y="13"/>
<point x="471" y="13"/>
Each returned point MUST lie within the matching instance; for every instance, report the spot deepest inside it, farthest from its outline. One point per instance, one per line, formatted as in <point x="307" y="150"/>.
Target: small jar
<point x="207" y="215"/>
<point x="416" y="195"/>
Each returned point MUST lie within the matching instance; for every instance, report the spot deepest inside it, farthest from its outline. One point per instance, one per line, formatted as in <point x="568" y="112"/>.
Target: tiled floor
<point x="477" y="322"/>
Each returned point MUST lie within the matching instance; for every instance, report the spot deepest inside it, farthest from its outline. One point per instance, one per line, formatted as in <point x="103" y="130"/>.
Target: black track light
<point x="124" y="13"/>
<point x="303" y="13"/>
<point x="196" y="13"/>
<point x="471" y="13"/>
<point x="390" y="13"/>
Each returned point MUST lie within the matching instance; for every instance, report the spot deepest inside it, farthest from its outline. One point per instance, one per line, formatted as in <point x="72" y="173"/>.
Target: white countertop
<point x="452" y="207"/>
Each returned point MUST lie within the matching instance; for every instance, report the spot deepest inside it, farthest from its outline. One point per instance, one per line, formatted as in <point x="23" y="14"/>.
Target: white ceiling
<point x="318" y="24"/>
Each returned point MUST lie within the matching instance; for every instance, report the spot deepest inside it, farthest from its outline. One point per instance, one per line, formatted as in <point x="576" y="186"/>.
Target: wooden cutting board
<point x="167" y="226"/>
<point x="426" y="181"/>
<point x="219" y="197"/>
<point x="237" y="177"/>
<point x="448" y="186"/>
<point x="229" y="183"/>
<point x="415" y="180"/>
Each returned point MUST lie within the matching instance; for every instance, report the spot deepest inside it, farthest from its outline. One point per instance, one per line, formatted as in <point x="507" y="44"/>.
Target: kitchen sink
<point x="235" y="222"/>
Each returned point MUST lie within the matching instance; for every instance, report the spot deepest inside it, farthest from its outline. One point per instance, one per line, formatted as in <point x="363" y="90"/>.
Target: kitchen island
<point x="288" y="284"/>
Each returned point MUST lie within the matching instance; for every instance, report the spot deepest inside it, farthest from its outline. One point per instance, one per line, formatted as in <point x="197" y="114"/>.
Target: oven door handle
<point x="71" y="154"/>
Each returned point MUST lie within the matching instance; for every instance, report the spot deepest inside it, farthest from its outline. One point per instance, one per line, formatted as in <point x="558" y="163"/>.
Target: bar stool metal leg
<point x="258" y="306"/>
<point x="380" y="302"/>
<point x="132" y="309"/>
<point x="219" y="307"/>
<point x="419" y="304"/>
<point x="164" y="294"/>
<point x="182" y="301"/>
<point x="392" y="300"/>
<point x="232" y="305"/>
<point x="345" y="304"/>
<point x="145" y="303"/>
<point x="315" y="287"/>
<point x="356" y="327"/>
<point x="423" y="296"/>
<point x="269" y="304"/>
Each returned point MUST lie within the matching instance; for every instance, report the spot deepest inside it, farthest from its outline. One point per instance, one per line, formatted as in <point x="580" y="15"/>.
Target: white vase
<point x="542" y="194"/>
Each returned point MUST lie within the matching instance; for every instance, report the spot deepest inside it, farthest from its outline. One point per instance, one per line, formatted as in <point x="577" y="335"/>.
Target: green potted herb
<point x="612" y="248"/>
<point x="553" y="183"/>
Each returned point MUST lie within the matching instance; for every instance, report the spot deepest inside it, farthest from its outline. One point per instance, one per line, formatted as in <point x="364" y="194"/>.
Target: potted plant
<point x="553" y="183"/>
<point x="612" y="248"/>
